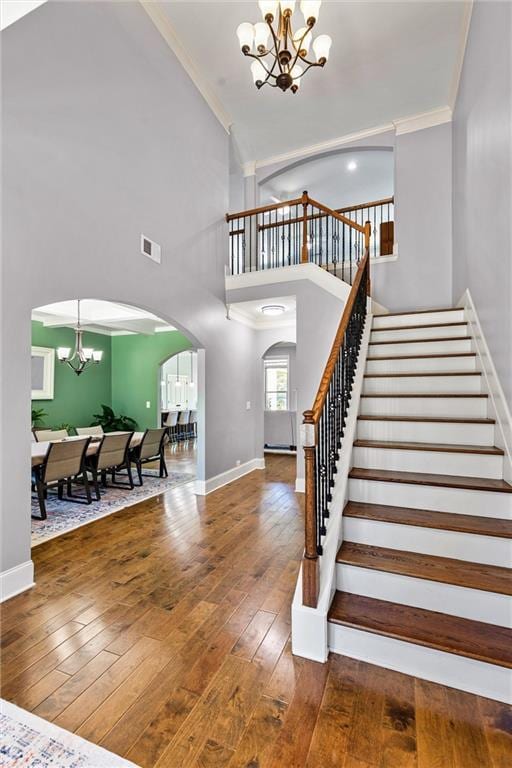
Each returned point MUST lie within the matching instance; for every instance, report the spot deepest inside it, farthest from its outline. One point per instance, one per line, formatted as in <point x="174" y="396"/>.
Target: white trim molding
<point x="466" y="23"/>
<point x="204" y="487"/>
<point x="16" y="580"/>
<point x="423" y="120"/>
<point x="164" y="26"/>
<point x="498" y="403"/>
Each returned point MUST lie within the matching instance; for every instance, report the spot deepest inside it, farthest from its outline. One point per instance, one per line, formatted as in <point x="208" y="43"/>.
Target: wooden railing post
<point x="304" y="254"/>
<point x="367" y="236"/>
<point x="310" y="564"/>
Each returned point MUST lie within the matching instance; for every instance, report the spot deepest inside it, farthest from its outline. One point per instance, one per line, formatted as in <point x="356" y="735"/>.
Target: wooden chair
<point x="112" y="455"/>
<point x="64" y="463"/>
<point x="151" y="448"/>
<point x="42" y="435"/>
<point x="95" y="431"/>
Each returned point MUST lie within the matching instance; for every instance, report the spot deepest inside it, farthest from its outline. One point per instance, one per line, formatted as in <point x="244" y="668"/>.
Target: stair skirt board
<point x="468" y="406"/>
<point x="436" y="498"/>
<point x="426" y="432"/>
<point x="488" y="550"/>
<point x="448" y="669"/>
<point x="465" y="363"/>
<point x="466" y="602"/>
<point x="456" y="315"/>
<point x="430" y="384"/>
<point x="435" y="462"/>
<point x="418" y="334"/>
<point x="441" y="346"/>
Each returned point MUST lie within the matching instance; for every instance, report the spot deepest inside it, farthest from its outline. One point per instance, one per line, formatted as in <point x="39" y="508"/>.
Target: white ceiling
<point x="389" y="60"/>
<point x="104" y="317"/>
<point x="332" y="180"/>
<point x="12" y="10"/>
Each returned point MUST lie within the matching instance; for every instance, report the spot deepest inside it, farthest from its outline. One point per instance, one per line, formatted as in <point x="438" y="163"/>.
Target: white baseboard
<point x="300" y="485"/>
<point x="498" y="402"/>
<point x="204" y="487"/>
<point x="16" y="580"/>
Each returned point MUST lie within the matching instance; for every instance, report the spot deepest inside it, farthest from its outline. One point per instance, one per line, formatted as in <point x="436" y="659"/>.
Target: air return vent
<point x="150" y="249"/>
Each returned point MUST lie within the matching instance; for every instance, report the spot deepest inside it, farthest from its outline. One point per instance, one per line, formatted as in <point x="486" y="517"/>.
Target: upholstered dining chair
<point x="42" y="435"/>
<point x="64" y="463"/>
<point x="151" y="448"/>
<point x="192" y="421"/>
<point x="170" y="423"/>
<point x="112" y="455"/>
<point x="95" y="431"/>
<point x="183" y="424"/>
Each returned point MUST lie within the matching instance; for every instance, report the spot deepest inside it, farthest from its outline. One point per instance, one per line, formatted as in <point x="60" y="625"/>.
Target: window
<point x="276" y="384"/>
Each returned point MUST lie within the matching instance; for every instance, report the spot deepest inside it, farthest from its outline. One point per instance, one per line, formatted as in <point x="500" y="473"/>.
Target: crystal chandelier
<point x="82" y="357"/>
<point x="284" y="62"/>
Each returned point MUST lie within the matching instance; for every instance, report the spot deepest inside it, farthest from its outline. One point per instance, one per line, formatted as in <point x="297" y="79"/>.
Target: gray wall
<point x="105" y="137"/>
<point x="482" y="172"/>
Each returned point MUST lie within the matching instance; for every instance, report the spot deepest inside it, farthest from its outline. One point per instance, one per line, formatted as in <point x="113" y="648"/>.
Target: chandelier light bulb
<point x="97" y="355"/>
<point x="87" y="352"/>
<point x="261" y="35"/>
<point x="258" y="71"/>
<point x="310" y="10"/>
<point x="245" y="34"/>
<point x="287" y="6"/>
<point x="321" y="46"/>
<point x="63" y="353"/>
<point x="268" y="8"/>
<point x="306" y="42"/>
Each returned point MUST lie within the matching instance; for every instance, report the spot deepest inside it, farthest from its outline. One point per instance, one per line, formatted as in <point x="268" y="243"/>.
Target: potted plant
<point x="38" y="415"/>
<point x="112" y="423"/>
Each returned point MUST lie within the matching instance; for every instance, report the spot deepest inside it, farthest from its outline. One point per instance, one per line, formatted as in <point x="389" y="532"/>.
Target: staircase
<point x="423" y="574"/>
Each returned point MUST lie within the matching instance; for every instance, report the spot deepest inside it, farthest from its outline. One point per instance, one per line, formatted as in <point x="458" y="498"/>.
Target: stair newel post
<point x="310" y="563"/>
<point x="367" y="236"/>
<point x="304" y="254"/>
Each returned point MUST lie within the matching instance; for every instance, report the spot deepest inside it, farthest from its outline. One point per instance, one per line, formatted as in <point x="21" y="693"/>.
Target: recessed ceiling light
<point x="273" y="309"/>
<point x="352" y="165"/>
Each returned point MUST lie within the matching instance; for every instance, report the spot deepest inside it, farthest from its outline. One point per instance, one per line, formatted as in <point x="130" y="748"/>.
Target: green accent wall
<point x="136" y="362"/>
<point x="127" y="377"/>
<point x="76" y="398"/>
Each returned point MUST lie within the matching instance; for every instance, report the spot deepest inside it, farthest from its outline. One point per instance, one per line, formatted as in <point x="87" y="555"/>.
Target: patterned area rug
<point x="27" y="741"/>
<point x="65" y="515"/>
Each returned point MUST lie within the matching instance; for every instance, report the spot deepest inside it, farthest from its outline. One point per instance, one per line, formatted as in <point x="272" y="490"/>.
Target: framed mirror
<point x="42" y="374"/>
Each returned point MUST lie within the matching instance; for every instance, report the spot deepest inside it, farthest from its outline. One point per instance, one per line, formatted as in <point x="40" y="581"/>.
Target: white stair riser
<point x="457" y="407"/>
<point x="420" y="348"/>
<point x="471" y="383"/>
<point x="438" y="499"/>
<point x="426" y="432"/>
<point x="487" y="680"/>
<point x="430" y="364"/>
<point x="474" y="604"/>
<point x="435" y="462"/>
<point x="474" y="548"/>
<point x="434" y="332"/>
<point x="424" y="318"/>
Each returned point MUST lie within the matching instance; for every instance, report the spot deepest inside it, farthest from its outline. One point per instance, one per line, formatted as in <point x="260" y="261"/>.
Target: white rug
<point x="27" y="741"/>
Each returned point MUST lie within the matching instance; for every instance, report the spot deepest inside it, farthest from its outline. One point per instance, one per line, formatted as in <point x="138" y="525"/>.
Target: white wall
<point x="104" y="137"/>
<point x="482" y="174"/>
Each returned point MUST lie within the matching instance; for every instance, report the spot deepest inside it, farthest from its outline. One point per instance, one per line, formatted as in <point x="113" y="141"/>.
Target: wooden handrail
<point x="323" y="387"/>
<point x="361" y="206"/>
<point x="263" y="209"/>
<point x="335" y="215"/>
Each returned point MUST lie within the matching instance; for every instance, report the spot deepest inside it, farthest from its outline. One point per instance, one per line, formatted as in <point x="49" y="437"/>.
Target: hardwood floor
<point x="162" y="633"/>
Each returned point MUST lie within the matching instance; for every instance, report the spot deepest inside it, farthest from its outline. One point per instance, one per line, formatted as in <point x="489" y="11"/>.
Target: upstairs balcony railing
<point x="303" y="230"/>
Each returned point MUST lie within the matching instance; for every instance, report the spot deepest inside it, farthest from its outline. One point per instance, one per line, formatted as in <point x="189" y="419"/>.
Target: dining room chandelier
<point x="281" y="54"/>
<point x="81" y="357"/>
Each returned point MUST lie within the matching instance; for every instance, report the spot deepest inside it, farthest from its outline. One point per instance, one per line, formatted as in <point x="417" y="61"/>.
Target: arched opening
<point x="280" y="398"/>
<point x="96" y="384"/>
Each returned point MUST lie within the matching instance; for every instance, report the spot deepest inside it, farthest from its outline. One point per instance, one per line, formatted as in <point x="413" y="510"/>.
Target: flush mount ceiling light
<point x="82" y="357"/>
<point x="277" y="64"/>
<point x="273" y="309"/>
<point x="352" y="165"/>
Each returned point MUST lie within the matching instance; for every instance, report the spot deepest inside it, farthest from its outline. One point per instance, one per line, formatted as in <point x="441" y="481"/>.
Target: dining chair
<point x="64" y="463"/>
<point x="170" y="423"/>
<point x="183" y="424"/>
<point x="42" y="435"/>
<point x="151" y="448"/>
<point x="112" y="455"/>
<point x="193" y="423"/>
<point x="95" y="431"/>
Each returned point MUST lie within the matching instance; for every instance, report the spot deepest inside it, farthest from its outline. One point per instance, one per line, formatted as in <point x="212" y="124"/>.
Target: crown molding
<point x="423" y="120"/>
<point x="164" y="26"/>
<point x="466" y="23"/>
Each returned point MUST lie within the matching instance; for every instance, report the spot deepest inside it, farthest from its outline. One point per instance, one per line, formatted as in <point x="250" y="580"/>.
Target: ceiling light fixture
<point x="82" y="357"/>
<point x="352" y="165"/>
<point x="282" y="68"/>
<point x="273" y="309"/>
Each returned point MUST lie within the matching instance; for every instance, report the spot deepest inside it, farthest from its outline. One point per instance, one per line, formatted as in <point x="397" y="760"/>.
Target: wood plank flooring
<point x="163" y="633"/>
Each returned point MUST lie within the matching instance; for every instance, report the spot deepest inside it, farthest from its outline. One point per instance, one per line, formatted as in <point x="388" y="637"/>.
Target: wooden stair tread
<point x="441" y="419"/>
<point x="423" y="341"/>
<point x="424" y="394"/>
<point x="415" y="327"/>
<point x="445" y="570"/>
<point x="421" y="312"/>
<point x="424" y="357"/>
<point x="437" y="447"/>
<point x="409" y="374"/>
<point x="426" y="518"/>
<point x="425" y="478"/>
<point x="452" y="634"/>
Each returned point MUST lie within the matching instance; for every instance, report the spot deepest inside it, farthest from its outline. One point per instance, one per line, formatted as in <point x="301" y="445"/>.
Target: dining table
<point x="39" y="450"/>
